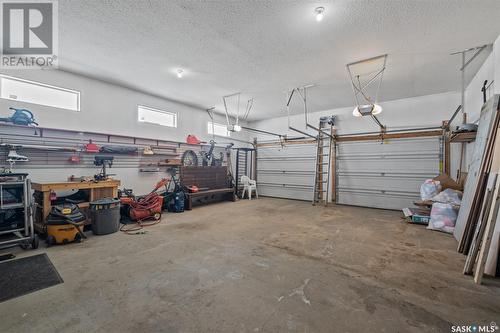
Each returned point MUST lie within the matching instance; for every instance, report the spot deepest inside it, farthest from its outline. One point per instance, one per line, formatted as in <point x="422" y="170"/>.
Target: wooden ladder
<point x="324" y="145"/>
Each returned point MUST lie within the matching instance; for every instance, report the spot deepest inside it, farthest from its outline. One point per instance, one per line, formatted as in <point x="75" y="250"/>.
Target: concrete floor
<point x="265" y="265"/>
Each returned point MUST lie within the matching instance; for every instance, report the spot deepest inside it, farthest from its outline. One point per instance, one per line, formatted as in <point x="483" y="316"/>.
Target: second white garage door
<point x="385" y="175"/>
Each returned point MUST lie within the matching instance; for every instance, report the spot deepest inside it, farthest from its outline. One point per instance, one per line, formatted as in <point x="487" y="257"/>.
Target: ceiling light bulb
<point x="376" y="109"/>
<point x="237" y="128"/>
<point x="366" y="110"/>
<point x="356" y="112"/>
<point x="180" y="72"/>
<point x="319" y="13"/>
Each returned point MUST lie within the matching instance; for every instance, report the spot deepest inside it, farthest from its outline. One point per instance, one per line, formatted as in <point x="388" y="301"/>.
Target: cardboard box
<point x="447" y="182"/>
<point x="417" y="215"/>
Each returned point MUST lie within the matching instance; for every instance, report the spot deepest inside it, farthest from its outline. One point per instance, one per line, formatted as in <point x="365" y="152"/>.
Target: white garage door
<point x="385" y="175"/>
<point x="286" y="172"/>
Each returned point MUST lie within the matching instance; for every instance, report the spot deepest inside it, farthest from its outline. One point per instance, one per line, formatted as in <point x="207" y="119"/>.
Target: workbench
<point x="95" y="190"/>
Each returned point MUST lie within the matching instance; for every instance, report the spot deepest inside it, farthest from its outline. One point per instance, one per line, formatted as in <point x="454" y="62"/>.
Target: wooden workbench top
<point x="48" y="186"/>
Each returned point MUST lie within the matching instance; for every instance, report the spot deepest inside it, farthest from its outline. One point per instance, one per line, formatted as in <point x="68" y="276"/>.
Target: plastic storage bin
<point x="105" y="216"/>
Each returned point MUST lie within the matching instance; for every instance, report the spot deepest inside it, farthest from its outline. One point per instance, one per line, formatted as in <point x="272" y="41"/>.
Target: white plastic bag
<point x="443" y="217"/>
<point x="429" y="189"/>
<point x="450" y="196"/>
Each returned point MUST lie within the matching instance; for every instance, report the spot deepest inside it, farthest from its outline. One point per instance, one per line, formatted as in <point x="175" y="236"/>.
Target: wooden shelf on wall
<point x="463" y="137"/>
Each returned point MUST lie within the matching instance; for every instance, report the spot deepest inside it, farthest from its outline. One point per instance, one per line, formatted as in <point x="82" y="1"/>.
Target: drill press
<point x="103" y="162"/>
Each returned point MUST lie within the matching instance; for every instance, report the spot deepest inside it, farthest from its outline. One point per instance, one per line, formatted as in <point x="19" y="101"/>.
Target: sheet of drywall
<point x="496" y="65"/>
<point x="485" y="121"/>
<point x="491" y="262"/>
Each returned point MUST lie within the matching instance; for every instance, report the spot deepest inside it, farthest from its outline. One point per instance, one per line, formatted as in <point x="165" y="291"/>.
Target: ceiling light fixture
<point x="319" y="13"/>
<point x="236" y="127"/>
<point x="362" y="74"/>
<point x="180" y="72"/>
<point x="367" y="110"/>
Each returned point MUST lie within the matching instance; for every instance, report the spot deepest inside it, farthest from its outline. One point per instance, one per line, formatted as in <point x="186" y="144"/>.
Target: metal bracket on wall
<point x="248" y="108"/>
<point x="302" y="92"/>
<point x="466" y="62"/>
<point x="210" y="112"/>
<point x="360" y="89"/>
<point x="382" y="127"/>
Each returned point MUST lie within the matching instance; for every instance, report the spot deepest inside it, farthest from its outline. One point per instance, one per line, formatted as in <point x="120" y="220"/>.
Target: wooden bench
<point x="213" y="182"/>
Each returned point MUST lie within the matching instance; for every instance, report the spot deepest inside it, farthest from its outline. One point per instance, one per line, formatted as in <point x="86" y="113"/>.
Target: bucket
<point x="105" y="216"/>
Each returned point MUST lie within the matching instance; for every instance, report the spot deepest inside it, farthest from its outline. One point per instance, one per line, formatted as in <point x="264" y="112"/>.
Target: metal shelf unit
<point x="15" y="199"/>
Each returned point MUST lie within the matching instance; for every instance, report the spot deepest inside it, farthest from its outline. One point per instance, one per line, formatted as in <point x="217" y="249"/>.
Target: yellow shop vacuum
<point x="65" y="224"/>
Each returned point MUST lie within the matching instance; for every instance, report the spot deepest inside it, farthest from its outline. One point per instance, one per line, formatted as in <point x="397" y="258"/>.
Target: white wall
<point x="473" y="94"/>
<point x="423" y="111"/>
<point x="110" y="109"/>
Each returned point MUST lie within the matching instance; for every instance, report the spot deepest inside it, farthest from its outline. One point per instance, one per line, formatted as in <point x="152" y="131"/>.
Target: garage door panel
<point x="423" y="165"/>
<point x="286" y="164"/>
<point x="388" y="175"/>
<point x="395" y="200"/>
<point x="287" y="192"/>
<point x="300" y="151"/>
<point x="401" y="183"/>
<point x="368" y="173"/>
<point x="286" y="172"/>
<point x="397" y="146"/>
<point x="304" y="179"/>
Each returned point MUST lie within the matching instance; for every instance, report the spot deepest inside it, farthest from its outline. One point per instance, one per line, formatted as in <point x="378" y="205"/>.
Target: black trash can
<point x="105" y="216"/>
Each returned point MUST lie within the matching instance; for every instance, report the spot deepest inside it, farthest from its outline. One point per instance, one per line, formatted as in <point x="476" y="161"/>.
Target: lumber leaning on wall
<point x="491" y="262"/>
<point x="488" y="234"/>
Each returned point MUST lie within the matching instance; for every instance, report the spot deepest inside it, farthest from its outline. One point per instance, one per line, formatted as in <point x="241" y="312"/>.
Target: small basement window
<point x="21" y="90"/>
<point x="154" y="116"/>
<point x="217" y="129"/>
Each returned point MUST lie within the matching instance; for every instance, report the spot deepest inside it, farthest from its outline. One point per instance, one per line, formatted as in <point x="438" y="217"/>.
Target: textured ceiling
<point x="263" y="48"/>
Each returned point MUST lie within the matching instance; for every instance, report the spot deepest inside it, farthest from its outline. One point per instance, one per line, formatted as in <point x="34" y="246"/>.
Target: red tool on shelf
<point x="91" y="147"/>
<point x="193" y="140"/>
<point x="193" y="189"/>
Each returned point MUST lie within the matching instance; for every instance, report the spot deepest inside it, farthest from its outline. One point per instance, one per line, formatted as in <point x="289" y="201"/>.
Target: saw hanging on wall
<point x="20" y="117"/>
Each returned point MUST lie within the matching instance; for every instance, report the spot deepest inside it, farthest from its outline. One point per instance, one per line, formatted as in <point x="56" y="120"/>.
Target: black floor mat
<point x="25" y="275"/>
<point x="7" y="256"/>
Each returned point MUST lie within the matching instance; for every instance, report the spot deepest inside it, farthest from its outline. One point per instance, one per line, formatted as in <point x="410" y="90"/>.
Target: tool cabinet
<point x="16" y="211"/>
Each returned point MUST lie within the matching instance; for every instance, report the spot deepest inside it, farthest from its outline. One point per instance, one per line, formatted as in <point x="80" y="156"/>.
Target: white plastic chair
<point x="249" y="185"/>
